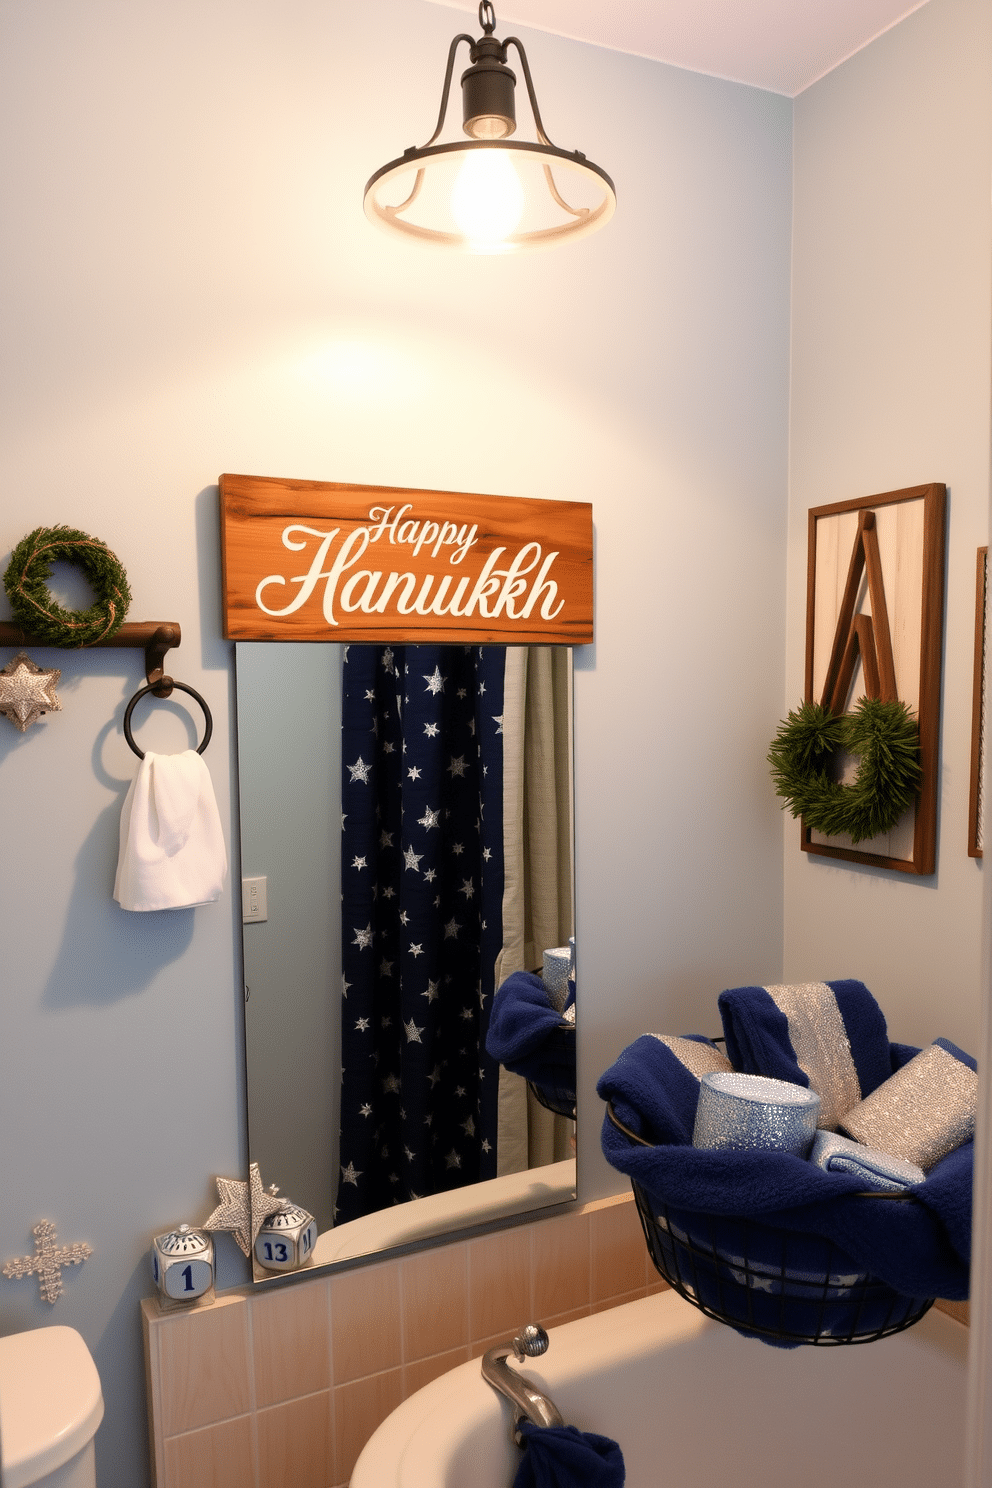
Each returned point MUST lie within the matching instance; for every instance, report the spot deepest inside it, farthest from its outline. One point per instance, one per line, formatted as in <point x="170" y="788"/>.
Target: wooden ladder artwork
<point x="864" y="635"/>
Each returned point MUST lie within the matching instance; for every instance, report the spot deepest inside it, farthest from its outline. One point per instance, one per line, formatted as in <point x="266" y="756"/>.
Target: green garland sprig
<point x="885" y="737"/>
<point x="35" y="609"/>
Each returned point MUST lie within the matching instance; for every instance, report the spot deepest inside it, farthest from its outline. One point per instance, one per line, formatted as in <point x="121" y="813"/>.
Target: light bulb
<point x="487" y="200"/>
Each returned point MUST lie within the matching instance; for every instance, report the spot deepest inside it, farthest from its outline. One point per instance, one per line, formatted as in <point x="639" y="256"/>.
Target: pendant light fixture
<point x="489" y="193"/>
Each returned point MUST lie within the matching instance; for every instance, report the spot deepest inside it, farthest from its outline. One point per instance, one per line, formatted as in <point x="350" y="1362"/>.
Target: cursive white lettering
<point x="307" y="581"/>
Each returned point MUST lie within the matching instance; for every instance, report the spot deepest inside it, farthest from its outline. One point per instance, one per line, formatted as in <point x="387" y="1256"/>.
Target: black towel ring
<point x="156" y="687"/>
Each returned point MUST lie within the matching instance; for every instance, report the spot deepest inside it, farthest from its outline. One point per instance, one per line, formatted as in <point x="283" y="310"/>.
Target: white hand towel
<point x="172" y="852"/>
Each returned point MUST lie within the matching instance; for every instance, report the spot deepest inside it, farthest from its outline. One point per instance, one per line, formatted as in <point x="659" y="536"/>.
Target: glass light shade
<point x="487" y="200"/>
<point x="563" y="195"/>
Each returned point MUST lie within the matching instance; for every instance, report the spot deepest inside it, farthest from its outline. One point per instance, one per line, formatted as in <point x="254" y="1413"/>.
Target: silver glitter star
<point x="27" y="691"/>
<point x="244" y="1208"/>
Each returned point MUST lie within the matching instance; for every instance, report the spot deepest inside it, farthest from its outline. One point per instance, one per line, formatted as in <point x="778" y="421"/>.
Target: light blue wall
<point x="892" y="351"/>
<point x="188" y="287"/>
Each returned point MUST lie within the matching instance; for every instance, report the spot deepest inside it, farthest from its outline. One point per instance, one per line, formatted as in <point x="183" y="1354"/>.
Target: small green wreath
<point x="886" y="738"/>
<point x="26" y="583"/>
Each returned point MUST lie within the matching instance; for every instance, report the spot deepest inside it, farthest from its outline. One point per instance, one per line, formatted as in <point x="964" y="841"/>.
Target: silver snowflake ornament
<point x="28" y="691"/>
<point x="48" y="1260"/>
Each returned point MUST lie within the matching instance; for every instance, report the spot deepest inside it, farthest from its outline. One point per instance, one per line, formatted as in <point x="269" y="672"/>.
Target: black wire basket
<point x="786" y="1287"/>
<point x="556" y="1090"/>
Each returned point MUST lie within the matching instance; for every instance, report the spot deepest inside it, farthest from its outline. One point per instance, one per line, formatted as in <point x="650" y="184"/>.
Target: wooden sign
<point x="874" y="627"/>
<point x="321" y="561"/>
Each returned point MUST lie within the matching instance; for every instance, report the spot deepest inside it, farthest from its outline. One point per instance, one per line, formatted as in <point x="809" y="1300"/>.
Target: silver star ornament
<point x="244" y="1208"/>
<point x="27" y="691"/>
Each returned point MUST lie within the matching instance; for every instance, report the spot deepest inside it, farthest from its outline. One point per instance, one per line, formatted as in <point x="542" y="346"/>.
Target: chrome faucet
<point x="528" y="1402"/>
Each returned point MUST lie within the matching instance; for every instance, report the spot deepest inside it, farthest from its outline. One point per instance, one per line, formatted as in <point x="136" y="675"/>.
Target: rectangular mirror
<point x="406" y="844"/>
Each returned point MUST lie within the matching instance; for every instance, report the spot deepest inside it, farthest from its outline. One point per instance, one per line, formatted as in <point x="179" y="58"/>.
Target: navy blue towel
<point x="758" y="1043"/>
<point x="529" y="1037"/>
<point x="920" y="1249"/>
<point x="564" y="1457"/>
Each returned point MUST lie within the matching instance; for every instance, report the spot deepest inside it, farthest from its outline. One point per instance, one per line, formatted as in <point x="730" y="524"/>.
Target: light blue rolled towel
<point x="837" y="1154"/>
<point x="554" y="975"/>
<point x="750" y="1113"/>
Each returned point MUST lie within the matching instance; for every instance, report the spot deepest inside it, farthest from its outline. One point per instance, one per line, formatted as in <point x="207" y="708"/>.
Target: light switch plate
<point x="254" y="899"/>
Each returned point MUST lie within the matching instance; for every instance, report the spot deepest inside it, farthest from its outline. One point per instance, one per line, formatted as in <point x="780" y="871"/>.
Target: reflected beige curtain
<point x="537" y="846"/>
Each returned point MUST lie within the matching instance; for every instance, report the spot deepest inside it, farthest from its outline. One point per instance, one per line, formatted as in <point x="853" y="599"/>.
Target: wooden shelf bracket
<point x="155" y="637"/>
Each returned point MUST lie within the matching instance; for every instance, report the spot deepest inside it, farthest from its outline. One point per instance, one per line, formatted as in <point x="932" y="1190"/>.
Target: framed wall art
<point x="874" y="628"/>
<point x="976" y="803"/>
<point x="323" y="561"/>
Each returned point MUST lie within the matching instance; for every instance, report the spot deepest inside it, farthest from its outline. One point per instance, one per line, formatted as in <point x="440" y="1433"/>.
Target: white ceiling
<point x="781" y="45"/>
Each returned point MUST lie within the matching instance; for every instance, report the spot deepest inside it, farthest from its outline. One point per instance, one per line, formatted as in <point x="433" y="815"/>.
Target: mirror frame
<point x="521" y="604"/>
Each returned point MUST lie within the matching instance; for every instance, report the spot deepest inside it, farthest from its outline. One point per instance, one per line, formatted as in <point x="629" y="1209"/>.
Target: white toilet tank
<point x="50" y="1407"/>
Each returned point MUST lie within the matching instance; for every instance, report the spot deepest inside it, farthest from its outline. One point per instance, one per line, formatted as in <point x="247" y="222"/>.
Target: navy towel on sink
<point x="564" y="1457"/>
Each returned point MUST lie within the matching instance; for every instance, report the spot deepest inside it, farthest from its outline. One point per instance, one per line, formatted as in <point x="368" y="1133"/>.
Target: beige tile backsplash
<point x="282" y="1387"/>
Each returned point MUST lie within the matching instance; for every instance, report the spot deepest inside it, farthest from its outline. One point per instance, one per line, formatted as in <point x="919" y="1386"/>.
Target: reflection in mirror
<point x="409" y="810"/>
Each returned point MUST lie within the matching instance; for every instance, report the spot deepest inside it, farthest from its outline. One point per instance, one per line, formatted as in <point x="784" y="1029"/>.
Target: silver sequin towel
<point x="922" y="1113"/>
<point x="821" y="1046"/>
<point x="699" y="1059"/>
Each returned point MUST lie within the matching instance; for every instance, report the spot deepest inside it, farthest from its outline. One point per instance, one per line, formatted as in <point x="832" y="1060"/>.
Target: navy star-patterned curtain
<point x="422" y="889"/>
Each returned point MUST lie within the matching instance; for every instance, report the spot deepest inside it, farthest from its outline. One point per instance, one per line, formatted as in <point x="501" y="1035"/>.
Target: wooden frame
<point x="976" y="802"/>
<point x="886" y="552"/>
<point x="442" y="566"/>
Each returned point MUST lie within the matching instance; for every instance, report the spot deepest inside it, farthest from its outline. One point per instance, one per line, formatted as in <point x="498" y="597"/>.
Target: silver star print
<point x="457" y="766"/>
<point x="429" y="819"/>
<point x="363" y="938"/>
<point x="412" y="859"/>
<point x="412" y="1032"/>
<point x="359" y="771"/>
<point x="27" y="691"/>
<point x="244" y="1208"/>
<point x="349" y="1174"/>
<point x="435" y="682"/>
